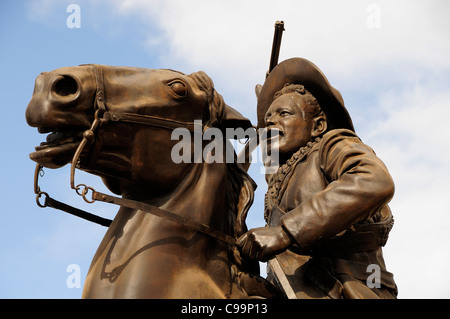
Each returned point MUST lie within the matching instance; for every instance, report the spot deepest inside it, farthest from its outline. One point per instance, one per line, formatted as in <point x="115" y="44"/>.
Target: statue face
<point x="286" y="115"/>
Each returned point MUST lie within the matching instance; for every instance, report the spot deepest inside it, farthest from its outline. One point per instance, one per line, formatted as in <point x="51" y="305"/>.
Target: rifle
<point x="244" y="156"/>
<point x="276" y="44"/>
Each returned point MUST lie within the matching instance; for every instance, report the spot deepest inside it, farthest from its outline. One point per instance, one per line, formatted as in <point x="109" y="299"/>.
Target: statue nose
<point x="65" y="88"/>
<point x="270" y="120"/>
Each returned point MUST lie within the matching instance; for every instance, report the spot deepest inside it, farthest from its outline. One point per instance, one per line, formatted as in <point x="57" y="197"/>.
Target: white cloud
<point x="234" y="37"/>
<point x="413" y="142"/>
<point x="222" y="34"/>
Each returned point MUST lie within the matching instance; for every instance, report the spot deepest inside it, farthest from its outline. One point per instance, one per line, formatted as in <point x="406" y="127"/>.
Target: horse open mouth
<point x="59" y="147"/>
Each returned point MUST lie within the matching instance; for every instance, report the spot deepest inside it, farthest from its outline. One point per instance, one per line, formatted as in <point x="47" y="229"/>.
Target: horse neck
<point x="201" y="195"/>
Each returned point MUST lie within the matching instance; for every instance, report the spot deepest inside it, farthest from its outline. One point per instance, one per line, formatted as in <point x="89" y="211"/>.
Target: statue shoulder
<point x="338" y="147"/>
<point x="335" y="140"/>
<point x="337" y="135"/>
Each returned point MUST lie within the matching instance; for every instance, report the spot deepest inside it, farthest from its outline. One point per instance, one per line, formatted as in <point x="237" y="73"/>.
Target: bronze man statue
<point x="326" y="206"/>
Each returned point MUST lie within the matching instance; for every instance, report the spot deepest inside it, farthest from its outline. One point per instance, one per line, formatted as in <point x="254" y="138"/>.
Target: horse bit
<point x="101" y="117"/>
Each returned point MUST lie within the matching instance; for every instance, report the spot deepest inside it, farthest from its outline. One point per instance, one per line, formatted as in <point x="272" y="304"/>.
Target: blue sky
<point x="389" y="59"/>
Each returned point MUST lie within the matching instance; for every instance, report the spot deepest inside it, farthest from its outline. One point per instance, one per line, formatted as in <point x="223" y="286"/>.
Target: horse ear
<point x="234" y="119"/>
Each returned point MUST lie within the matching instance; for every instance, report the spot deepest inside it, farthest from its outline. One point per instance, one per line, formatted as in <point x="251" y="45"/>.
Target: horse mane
<point x="214" y="113"/>
<point x="239" y="185"/>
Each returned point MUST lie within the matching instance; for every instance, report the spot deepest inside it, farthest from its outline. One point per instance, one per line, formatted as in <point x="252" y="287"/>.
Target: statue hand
<point x="264" y="243"/>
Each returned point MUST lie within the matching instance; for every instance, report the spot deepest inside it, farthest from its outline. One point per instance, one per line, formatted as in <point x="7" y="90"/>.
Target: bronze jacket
<point x="331" y="197"/>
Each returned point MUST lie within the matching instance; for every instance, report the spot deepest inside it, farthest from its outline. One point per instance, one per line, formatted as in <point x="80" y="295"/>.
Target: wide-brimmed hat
<point x="304" y="72"/>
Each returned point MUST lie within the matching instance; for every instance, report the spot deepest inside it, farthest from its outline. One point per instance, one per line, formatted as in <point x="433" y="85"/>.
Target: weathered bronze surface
<point x="116" y="122"/>
<point x="180" y="231"/>
<point x="326" y="206"/>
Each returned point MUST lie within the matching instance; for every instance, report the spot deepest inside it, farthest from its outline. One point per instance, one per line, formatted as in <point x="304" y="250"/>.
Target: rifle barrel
<point x="278" y="33"/>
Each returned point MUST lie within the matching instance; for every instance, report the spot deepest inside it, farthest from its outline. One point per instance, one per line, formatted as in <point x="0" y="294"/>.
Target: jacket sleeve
<point x="359" y="184"/>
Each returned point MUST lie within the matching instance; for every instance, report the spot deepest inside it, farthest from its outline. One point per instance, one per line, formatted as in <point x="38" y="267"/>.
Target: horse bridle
<point x="103" y="116"/>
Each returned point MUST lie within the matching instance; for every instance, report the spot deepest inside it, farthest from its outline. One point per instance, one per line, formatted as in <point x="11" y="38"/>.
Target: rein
<point x="103" y="116"/>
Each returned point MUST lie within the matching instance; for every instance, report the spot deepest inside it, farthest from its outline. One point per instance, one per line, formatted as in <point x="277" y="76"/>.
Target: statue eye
<point x="179" y="88"/>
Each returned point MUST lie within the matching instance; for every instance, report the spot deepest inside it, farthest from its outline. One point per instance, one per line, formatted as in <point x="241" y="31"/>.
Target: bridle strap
<point x="151" y="120"/>
<point x="100" y="89"/>
<point x="51" y="202"/>
<point x="133" y="204"/>
<point x="106" y="115"/>
<point x="168" y="215"/>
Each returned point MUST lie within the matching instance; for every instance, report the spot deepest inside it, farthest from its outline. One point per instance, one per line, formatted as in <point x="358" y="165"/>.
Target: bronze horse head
<point x="129" y="115"/>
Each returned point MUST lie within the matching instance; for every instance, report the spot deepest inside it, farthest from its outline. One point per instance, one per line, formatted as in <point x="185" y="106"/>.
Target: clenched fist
<point x="264" y="243"/>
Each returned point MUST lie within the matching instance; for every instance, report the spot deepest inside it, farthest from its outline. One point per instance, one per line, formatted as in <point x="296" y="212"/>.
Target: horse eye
<point x="179" y="88"/>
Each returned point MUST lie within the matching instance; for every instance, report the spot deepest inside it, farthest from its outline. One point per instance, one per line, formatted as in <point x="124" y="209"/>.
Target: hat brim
<point x="304" y="72"/>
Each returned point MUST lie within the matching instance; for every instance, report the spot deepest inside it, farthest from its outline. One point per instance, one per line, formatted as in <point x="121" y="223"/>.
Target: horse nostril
<point x="65" y="86"/>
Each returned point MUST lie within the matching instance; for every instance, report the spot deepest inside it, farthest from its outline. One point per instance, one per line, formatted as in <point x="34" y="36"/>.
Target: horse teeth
<point x="58" y="137"/>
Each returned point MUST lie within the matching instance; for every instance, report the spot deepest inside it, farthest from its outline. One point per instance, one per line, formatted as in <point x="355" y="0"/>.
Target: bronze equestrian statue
<point x="123" y="117"/>
<point x="180" y="231"/>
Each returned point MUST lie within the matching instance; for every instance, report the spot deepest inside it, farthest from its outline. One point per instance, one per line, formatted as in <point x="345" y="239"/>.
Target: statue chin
<point x="54" y="156"/>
